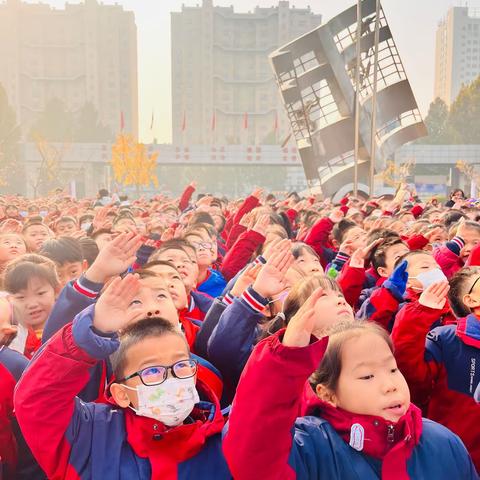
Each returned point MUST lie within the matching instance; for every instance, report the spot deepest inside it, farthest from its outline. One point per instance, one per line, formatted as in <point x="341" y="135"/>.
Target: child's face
<point x="370" y="382"/>
<point x="392" y="254"/>
<point x="309" y="264"/>
<point x="357" y="236"/>
<point x="11" y="246"/>
<point x="418" y="264"/>
<point x="186" y="266"/>
<point x="150" y="352"/>
<point x="34" y="303"/>
<point x="471" y="236"/>
<point x="66" y="228"/>
<point x="203" y="249"/>
<point x="11" y="212"/>
<point x="175" y="284"/>
<point x="35" y="236"/>
<point x="335" y="306"/>
<point x="153" y="300"/>
<point x="69" y="271"/>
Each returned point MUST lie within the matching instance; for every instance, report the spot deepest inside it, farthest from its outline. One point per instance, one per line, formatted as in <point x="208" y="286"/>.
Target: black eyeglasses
<point x="473" y="286"/>
<point x="158" y="374"/>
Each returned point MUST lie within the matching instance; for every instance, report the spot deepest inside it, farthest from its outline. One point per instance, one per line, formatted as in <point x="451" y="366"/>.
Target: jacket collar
<point x="164" y="446"/>
<point x="390" y="442"/>
<point x="468" y="330"/>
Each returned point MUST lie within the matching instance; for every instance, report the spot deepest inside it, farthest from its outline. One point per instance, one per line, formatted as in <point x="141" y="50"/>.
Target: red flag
<point x="214" y="121"/>
<point x="245" y="120"/>
<point x="122" y="121"/>
<point x="184" y="122"/>
<point x="275" y="125"/>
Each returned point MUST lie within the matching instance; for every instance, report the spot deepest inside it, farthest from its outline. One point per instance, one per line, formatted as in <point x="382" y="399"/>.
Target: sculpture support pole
<point x="357" y="98"/>
<point x="373" y="144"/>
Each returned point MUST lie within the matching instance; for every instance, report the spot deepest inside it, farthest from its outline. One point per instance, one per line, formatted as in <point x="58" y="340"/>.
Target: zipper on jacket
<point x="390" y="433"/>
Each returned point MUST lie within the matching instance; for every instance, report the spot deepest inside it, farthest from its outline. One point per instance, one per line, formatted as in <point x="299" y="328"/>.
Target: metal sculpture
<point x="321" y="79"/>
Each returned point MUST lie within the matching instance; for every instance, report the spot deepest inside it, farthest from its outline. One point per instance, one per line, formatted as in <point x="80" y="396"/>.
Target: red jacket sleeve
<point x="234" y="234"/>
<point x="474" y="258"/>
<point x="247" y="206"/>
<point x="266" y="410"/>
<point x="351" y="281"/>
<point x="241" y="253"/>
<point x="185" y="198"/>
<point x="409" y="333"/>
<point x="317" y="238"/>
<point x="417" y="210"/>
<point x="380" y="308"/>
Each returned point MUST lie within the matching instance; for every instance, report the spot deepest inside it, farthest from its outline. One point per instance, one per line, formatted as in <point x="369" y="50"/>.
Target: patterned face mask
<point x="170" y="403"/>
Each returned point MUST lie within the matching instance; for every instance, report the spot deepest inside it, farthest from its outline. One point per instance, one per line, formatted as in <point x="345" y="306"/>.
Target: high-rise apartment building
<point x="457" y="57"/>
<point x="84" y="53"/>
<point x="223" y="88"/>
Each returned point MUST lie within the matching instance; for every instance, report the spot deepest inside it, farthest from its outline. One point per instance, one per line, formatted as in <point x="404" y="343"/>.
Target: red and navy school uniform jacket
<point x="232" y="340"/>
<point x="442" y="368"/>
<point x="448" y="256"/>
<point x="266" y="439"/>
<point x="16" y="461"/>
<point x="12" y="365"/>
<point x="76" y="440"/>
<point x="208" y="325"/>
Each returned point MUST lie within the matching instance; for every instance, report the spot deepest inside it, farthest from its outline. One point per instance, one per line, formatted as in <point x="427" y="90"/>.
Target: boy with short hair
<point x="157" y="429"/>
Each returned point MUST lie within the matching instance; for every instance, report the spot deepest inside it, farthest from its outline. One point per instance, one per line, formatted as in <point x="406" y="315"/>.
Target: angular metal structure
<point x="316" y="77"/>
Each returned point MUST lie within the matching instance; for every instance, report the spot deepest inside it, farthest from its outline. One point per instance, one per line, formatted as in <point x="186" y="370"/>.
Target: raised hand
<point x="115" y="258"/>
<point x="248" y="220"/>
<point x="276" y="246"/>
<point x="336" y="216"/>
<point x="435" y="295"/>
<point x="303" y="323"/>
<point x="271" y="278"/>
<point x="111" y="308"/>
<point x="11" y="226"/>
<point x="397" y="282"/>
<point x="257" y="193"/>
<point x="168" y="234"/>
<point x="359" y="256"/>
<point x="262" y="224"/>
<point x="245" y="279"/>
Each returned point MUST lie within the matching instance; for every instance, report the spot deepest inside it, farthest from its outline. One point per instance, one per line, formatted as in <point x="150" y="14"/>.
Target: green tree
<point x="464" y="119"/>
<point x="88" y="128"/>
<point x="437" y="122"/>
<point x="10" y="134"/>
<point x="55" y="123"/>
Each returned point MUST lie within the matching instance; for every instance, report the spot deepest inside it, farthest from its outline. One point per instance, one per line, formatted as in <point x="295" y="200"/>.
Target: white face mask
<point x="170" y="403"/>
<point x="430" y="277"/>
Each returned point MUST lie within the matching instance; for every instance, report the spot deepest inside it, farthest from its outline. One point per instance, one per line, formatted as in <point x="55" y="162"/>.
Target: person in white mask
<point x="154" y="427"/>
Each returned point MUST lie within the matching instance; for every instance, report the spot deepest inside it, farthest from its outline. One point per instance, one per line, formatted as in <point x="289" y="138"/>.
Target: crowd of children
<point x="258" y="338"/>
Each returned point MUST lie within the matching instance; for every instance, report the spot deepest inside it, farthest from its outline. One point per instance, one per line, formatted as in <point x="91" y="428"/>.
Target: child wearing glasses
<point x="154" y="427"/>
<point x="442" y="365"/>
<point x="209" y="280"/>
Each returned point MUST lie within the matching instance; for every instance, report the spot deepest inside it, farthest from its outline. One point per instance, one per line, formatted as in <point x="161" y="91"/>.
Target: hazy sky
<point x="413" y="24"/>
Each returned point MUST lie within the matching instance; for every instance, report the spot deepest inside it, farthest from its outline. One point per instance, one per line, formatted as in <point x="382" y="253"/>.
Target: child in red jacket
<point x="442" y="365"/>
<point x="360" y="423"/>
<point x="157" y="428"/>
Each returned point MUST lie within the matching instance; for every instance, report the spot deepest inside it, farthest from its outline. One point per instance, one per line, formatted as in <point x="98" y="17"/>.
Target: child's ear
<point x="119" y="394"/>
<point x="325" y="394"/>
<point x="470" y="302"/>
<point x="382" y="271"/>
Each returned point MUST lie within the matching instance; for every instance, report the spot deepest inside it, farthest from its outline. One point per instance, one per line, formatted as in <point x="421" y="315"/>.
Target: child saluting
<point x="360" y="421"/>
<point x="156" y="427"/>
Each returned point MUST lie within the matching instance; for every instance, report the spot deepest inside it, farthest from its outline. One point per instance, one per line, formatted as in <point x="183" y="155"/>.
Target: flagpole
<point x="357" y="97"/>
<point x="373" y="144"/>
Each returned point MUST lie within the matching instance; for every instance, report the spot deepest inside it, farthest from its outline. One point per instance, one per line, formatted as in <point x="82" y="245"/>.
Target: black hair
<point x="460" y="284"/>
<point x="341" y="229"/>
<point x="137" y="332"/>
<point x="453" y="216"/>
<point x="62" y="250"/>
<point x="379" y="254"/>
<point x="89" y="248"/>
<point x="201" y="217"/>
